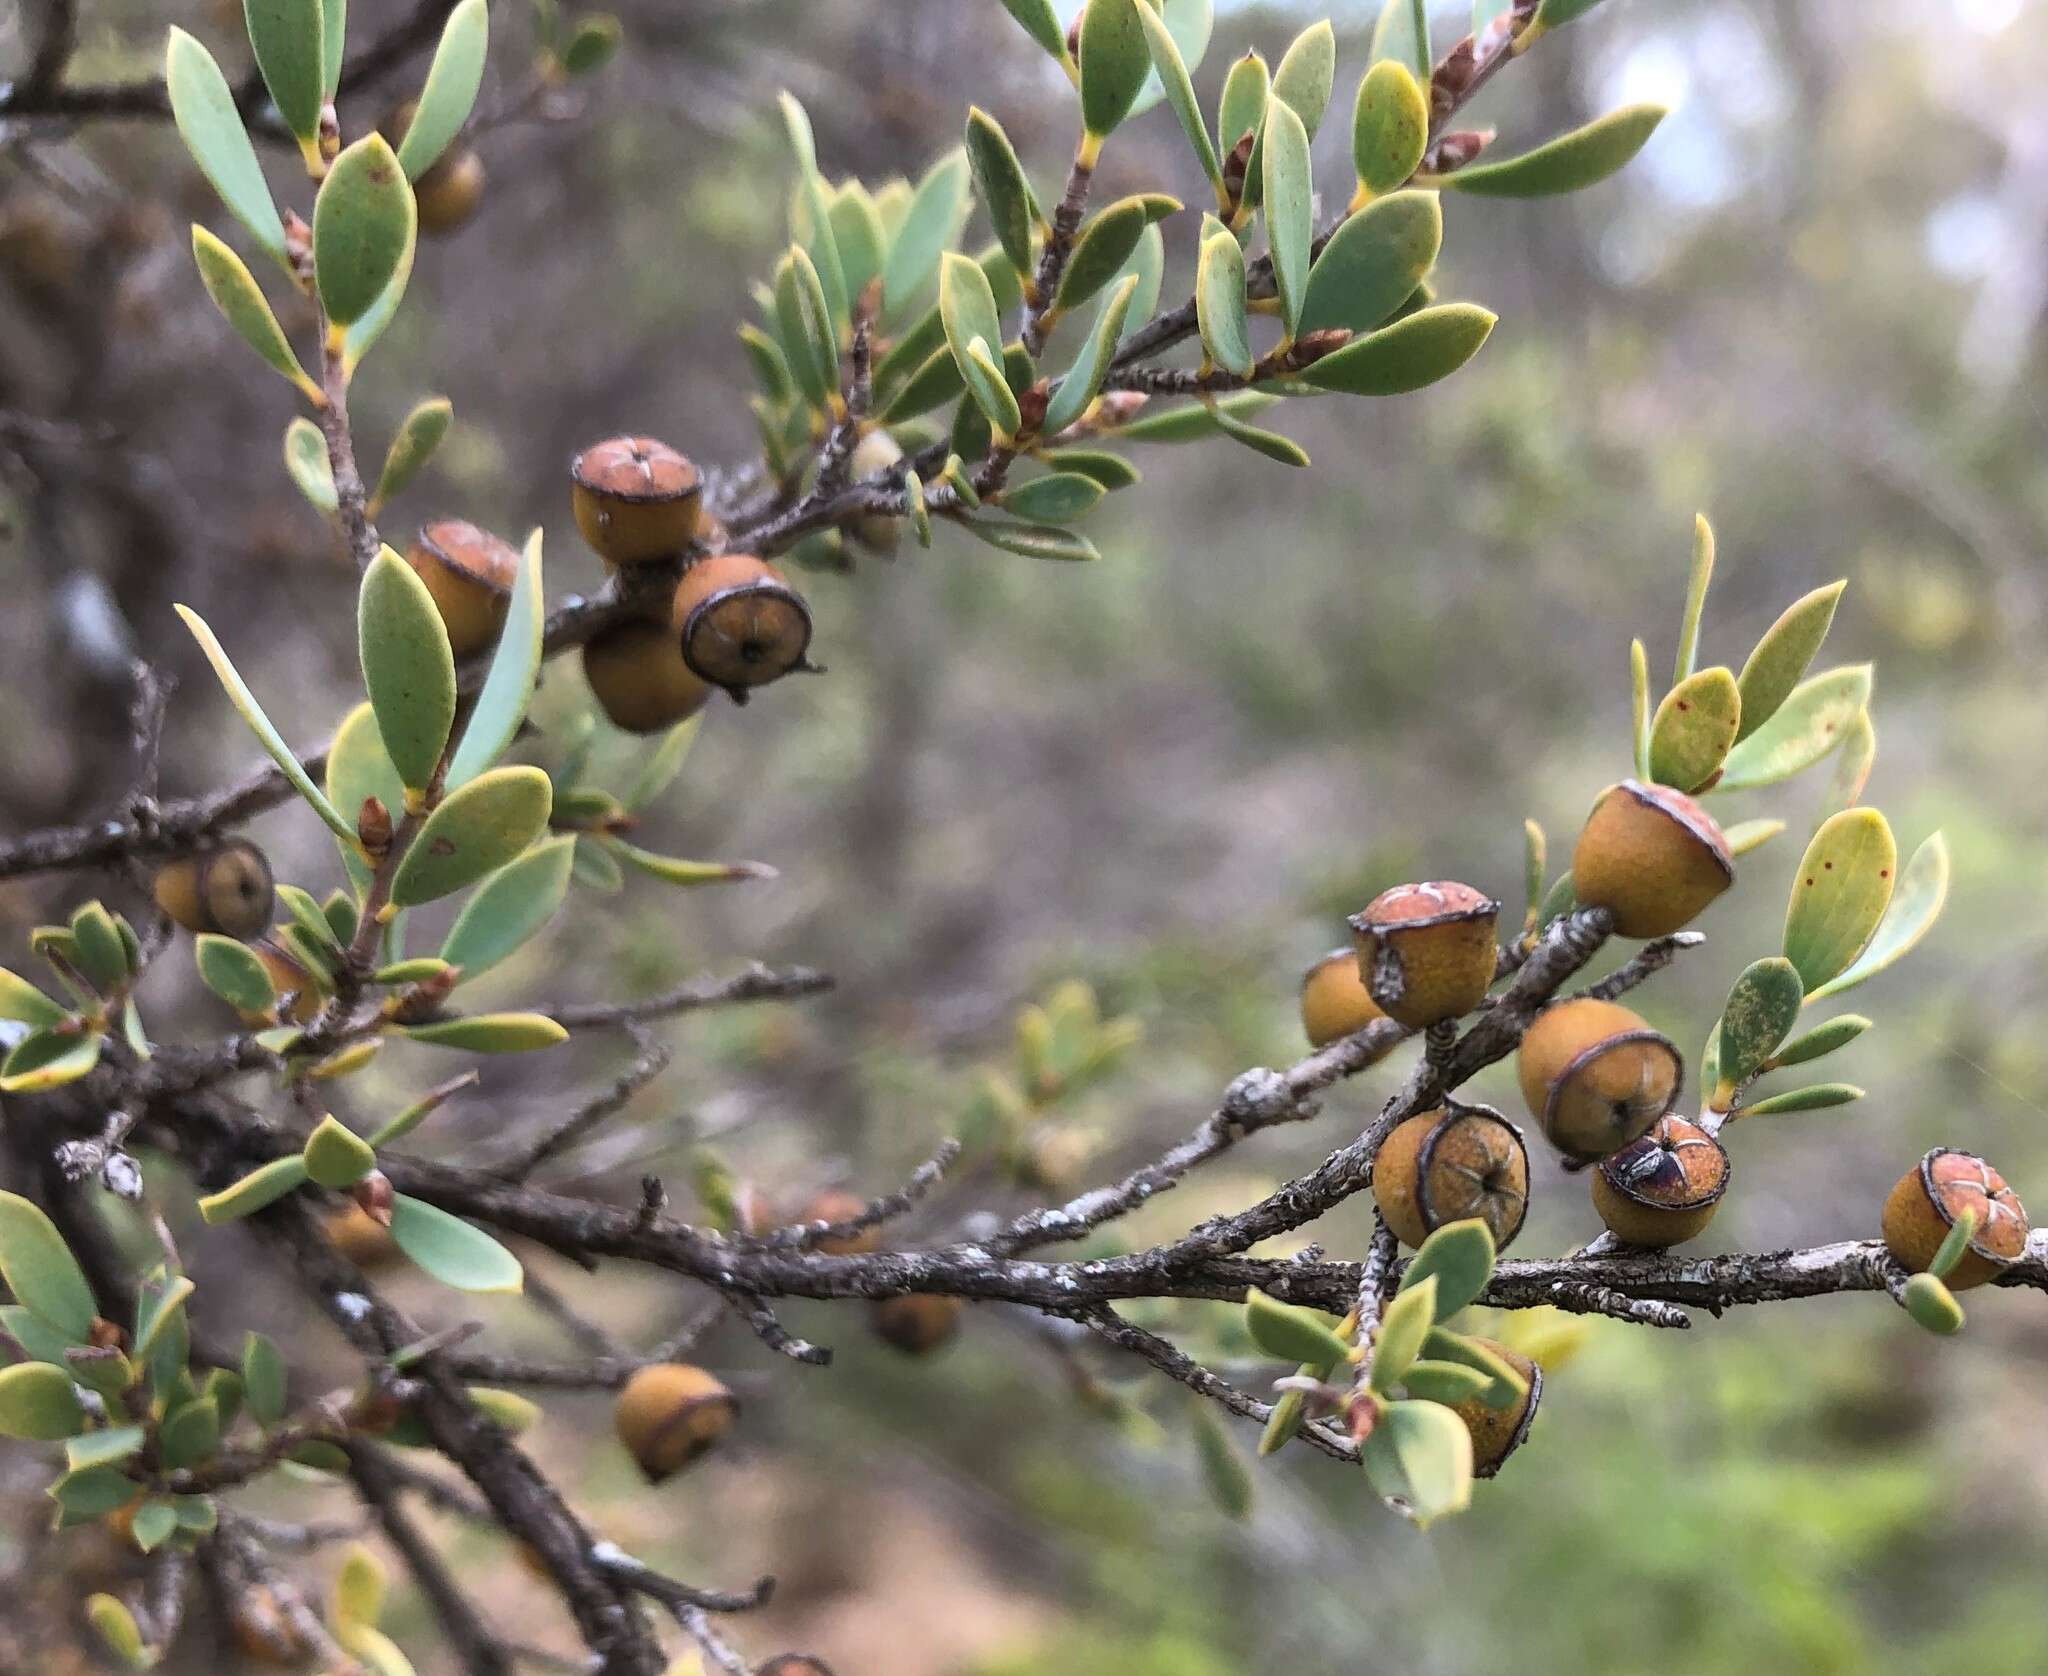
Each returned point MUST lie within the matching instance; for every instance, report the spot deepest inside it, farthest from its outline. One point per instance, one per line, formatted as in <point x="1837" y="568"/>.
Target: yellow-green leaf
<point x="1415" y="351"/>
<point x="515" y="667"/>
<point x="44" y="1060"/>
<point x="1220" y="300"/>
<point x="22" y="1001"/>
<point x="262" y="1186"/>
<point x="336" y="1156"/>
<point x="1694" y="728"/>
<point x="1373" y="263"/>
<point x="1289" y="1332"/>
<point x="1420" y="1456"/>
<point x="307" y="465"/>
<point x="1180" y="90"/>
<point x="413" y="445"/>
<point x="1289" y="195"/>
<point x="1570" y="163"/>
<point x="490" y="1033"/>
<point x="1761" y="1007"/>
<point x="408" y="668"/>
<point x="1808" y="725"/>
<point x="1389" y="127"/>
<point x="476" y="829"/>
<point x="1782" y="656"/>
<point x="243" y="306"/>
<point x="1695" y="598"/>
<point x="1917" y="903"/>
<point x="363" y="226"/>
<point x="1114" y="63"/>
<point x="203" y="106"/>
<point x="1839" y="894"/>
<point x="509" y="907"/>
<point x="1932" y="1305"/>
<point x="1459" y="1258"/>
<point x="1409" y="1316"/>
<point x="452" y="81"/>
<point x="289" y="40"/>
<point x="38" y="1404"/>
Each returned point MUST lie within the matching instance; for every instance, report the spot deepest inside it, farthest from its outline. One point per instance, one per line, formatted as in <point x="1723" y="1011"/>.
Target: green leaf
<point x="1921" y="894"/>
<point x="259" y="724"/>
<point x="1057" y="498"/>
<point x="1224" y="1472"/>
<point x="1192" y="421"/>
<point x="1289" y="206"/>
<point x="1954" y="1243"/>
<point x="1409" y="1316"/>
<point x="93" y="1493"/>
<point x="508" y="687"/>
<point x="190" y="1434"/>
<point x="1373" y="263"/>
<point x="1694" y="729"/>
<point x="243" y="306"/>
<point x="40" y="1271"/>
<point x="363" y="227"/>
<point x="857" y="235"/>
<point x="1241" y="109"/>
<point x="358" y="340"/>
<point x="307" y="465"/>
<point x="1762" y="1006"/>
<point x="1444" y="1382"/>
<point x="289" y="40"/>
<point x="1781" y="657"/>
<point x="595" y="44"/>
<point x="663" y="764"/>
<point x="1291" y="1333"/>
<point x="990" y="388"/>
<point x="262" y="1186"/>
<point x="198" y="1514"/>
<point x="1005" y="191"/>
<point x="1180" y="90"/>
<point x="1105" y="244"/>
<point x="1808" y="725"/>
<point x="1821" y="1039"/>
<point x="1220" y="301"/>
<point x="233" y="972"/>
<point x="1932" y="1305"/>
<point x="21" y="1001"/>
<point x="1280" y="449"/>
<point x="771" y="371"/>
<point x="1695" y="598"/>
<point x="103" y="1448"/>
<point x="1401" y="33"/>
<point x="967" y="307"/>
<point x="1817" y="1097"/>
<point x="333" y="45"/>
<point x="937" y="210"/>
<point x="1114" y="63"/>
<point x="509" y="907"/>
<point x="358" y="769"/>
<point x="1420" y="1455"/>
<point x="1389" y="127"/>
<point x="203" y="107"/>
<point x="1080" y="383"/>
<point x="38" y="1404"/>
<point x="1039" y="22"/>
<point x="160" y="1319"/>
<point x="408" y="668"/>
<point x="1459" y="1257"/>
<point x="1030" y="541"/>
<point x="263" y="1379"/>
<point x="1745" y="836"/>
<point x="102" y="956"/>
<point x="44" y="1060"/>
<point x="115" y="1625"/>
<point x="1415" y="351"/>
<point x="154" y="1523"/>
<point x="490" y="1033"/>
<point x="1505" y="1386"/>
<point x="413" y="445"/>
<point x="452" y="1251"/>
<point x="476" y="830"/>
<point x="1853" y="762"/>
<point x="1839" y="894"/>
<point x="1639" y="706"/>
<point x="1570" y="163"/>
<point x="1112" y="471"/>
<point x="1553" y="14"/>
<point x="1147" y="264"/>
<point x="336" y="1156"/>
<point x="1301" y="82"/>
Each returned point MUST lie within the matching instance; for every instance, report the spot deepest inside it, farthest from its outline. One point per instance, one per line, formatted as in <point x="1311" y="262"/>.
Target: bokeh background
<point x="1813" y="309"/>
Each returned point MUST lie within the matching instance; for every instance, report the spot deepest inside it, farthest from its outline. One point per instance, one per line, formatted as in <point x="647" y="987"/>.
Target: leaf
<point x="450" y="90"/>
<point x="1005" y="191"/>
<point x="307" y="465"/>
<point x="1373" y="262"/>
<point x="334" y="39"/>
<point x="1821" y="1039"/>
<point x="1745" y="836"/>
<point x="1039" y="22"/>
<point x="360" y="338"/>
<point x="103" y="1448"/>
<point x="1459" y="1257"/>
<point x="101" y="954"/>
<point x="289" y="41"/>
<point x="1173" y="76"/>
<point x="413" y="445"/>
<point x="1289" y="206"/>
<point x="1389" y="127"/>
<point x="1241" y="108"/>
<point x="508" y="687"/>
<point x="359" y="769"/>
<point x="1781" y="657"/>
<point x="475" y="830"/>
<point x="1220" y="301"/>
<point x="1112" y="471"/>
<point x="1570" y="163"/>
<point x="93" y="1493"/>
<point x="115" y="1625"/>
<point x="44" y="1060"/>
<point x="1057" y="498"/>
<point x="336" y="1156"/>
<point x="1224" y="1472"/>
<point x="1917" y="904"/>
<point x="1444" y="1382"/>
<point x="509" y="907"/>
<point x="22" y="1001"/>
<point x="1406" y="1323"/>
<point x="1762" y="1006"/>
<point x="990" y="388"/>
<point x="1030" y="541"/>
<point x="937" y="209"/>
<point x="1146" y="264"/>
<point x="1301" y="82"/>
<point x="857" y="233"/>
<point x="1289" y="1332"/>
<point x="1695" y="598"/>
<point x="595" y="44"/>
<point x="1081" y="381"/>
<point x="190" y="1433"/>
<point x="243" y="306"/>
<point x="967" y="307"/>
<point x="1114" y="64"/>
<point x="160" y="1319"/>
<point x="408" y="668"/>
<point x="1280" y="449"/>
<point x="1420" y="1455"/>
<point x="263" y="1379"/>
<point x="363" y="227"/>
<point x="819" y="243"/>
<point x="1932" y="1305"/>
<point x="1853" y="762"/>
<point x="40" y="1271"/>
<point x="1401" y="33"/>
<point x="452" y="1251"/>
<point x="261" y="1187"/>
<point x="203" y="107"/>
<point x="358" y="1591"/>
<point x="259" y="724"/>
<point x="1415" y="351"/>
<point x="490" y="1033"/>
<point x="1817" y="1097"/>
<point x="1694" y="728"/>
<point x="1105" y="244"/>
<point x="1808" y="725"/>
<point x="1839" y="894"/>
<point x="1954" y="1243"/>
<point x="38" y="1404"/>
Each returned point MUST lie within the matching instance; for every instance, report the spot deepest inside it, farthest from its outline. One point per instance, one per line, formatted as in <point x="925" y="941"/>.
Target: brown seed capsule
<point x="1652" y="857"/>
<point x="1449" y="1164"/>
<point x="636" y="669"/>
<point x="1923" y="1207"/>
<point x="670" y="1413"/>
<point x="636" y="499"/>
<point x="1662" y="1190"/>
<point x="360" y="1237"/>
<point x="1426" y="952"/>
<point x="876" y="452"/>
<point x="835" y="1204"/>
<point x="916" y="1323"/>
<point x="1333" y="999"/>
<point x="470" y="573"/>
<point x="1498" y="1432"/>
<point x="227" y="889"/>
<point x="450" y="192"/>
<point x="738" y="622"/>
<point x="1596" y="1076"/>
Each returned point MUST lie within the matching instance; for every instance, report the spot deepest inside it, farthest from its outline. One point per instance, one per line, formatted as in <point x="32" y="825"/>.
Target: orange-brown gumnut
<point x="1426" y="951"/>
<point x="1334" y="1002"/>
<point x="1652" y="857"/>
<point x="469" y="572"/>
<point x="1449" y="1164"/>
<point x="1924" y="1205"/>
<point x="1596" y="1076"/>
<point x="638" y="676"/>
<point x="670" y="1413"/>
<point x="738" y="623"/>
<point x="636" y="499"/>
<point x="1662" y="1190"/>
<point x="1498" y="1432"/>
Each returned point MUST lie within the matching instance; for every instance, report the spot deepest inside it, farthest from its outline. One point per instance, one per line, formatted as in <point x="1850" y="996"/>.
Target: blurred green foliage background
<point x="1812" y="309"/>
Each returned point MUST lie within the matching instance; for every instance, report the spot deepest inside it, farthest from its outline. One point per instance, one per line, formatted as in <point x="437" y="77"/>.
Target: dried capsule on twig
<point x="226" y="888"/>
<point x="637" y="672"/>
<point x="916" y="1323"/>
<point x="1596" y="1076"/>
<point x="738" y="623"/>
<point x="1334" y="1002"/>
<point x="1498" y="1432"/>
<point x="1924" y="1205"/>
<point x="469" y="572"/>
<point x="1426" y="951"/>
<point x="1449" y="1164"/>
<point x="1652" y="857"/>
<point x="1663" y="1189"/>
<point x="636" y="499"/>
<point x="669" y="1413"/>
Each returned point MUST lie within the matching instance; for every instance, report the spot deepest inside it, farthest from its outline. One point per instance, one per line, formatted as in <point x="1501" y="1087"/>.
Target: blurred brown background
<point x="1812" y="309"/>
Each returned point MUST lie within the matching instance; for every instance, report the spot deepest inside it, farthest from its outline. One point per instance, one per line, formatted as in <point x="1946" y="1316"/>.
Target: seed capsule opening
<point x="738" y="624"/>
<point x="636" y="499"/>
<point x="1955" y="1180"/>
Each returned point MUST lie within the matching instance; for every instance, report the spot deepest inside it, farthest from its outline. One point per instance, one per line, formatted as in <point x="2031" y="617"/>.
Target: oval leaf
<point x="1694" y="729"/>
<point x="203" y="107"/>
<point x="22" y="1001"/>
<point x="38" y="1404"/>
<point x="1444" y="1382"/>
<point x="41" y="1272"/>
<point x="937" y="211"/>
<point x="1573" y="161"/>
<point x="1079" y="384"/>
<point x="491" y="1033"/>
<point x="1057" y="498"/>
<point x="476" y="830"/>
<point x="1289" y="206"/>
<point x="1102" y="249"/>
<point x="260" y="1187"/>
<point x="363" y="226"/>
<point x="1005" y="191"/>
<point x="1220" y="302"/>
<point x="1821" y="1039"/>
<point x="289" y="40"/>
<point x="1420" y="1455"/>
<point x="1389" y="127"/>
<point x="1415" y="351"/>
<point x="1762" y="1006"/>
<point x="452" y="1251"/>
<point x="1459" y="1257"/>
<point x="336" y="1156"/>
<point x="1932" y="1305"/>
<point x="233" y="972"/>
<point x="1808" y="725"/>
<point x="243" y="306"/>
<point x="1922" y="892"/>
<point x="1819" y="1096"/>
<point x="1291" y="1333"/>
<point x="1407" y="1322"/>
<point x="509" y="907"/>
<point x="307" y="465"/>
<point x="408" y="668"/>
<point x="450" y="90"/>
<point x="1781" y="657"/>
<point x="515" y="667"/>
<point x="413" y="445"/>
<point x="1373" y="263"/>
<point x="1839" y="894"/>
<point x="1114" y="63"/>
<point x="1180" y="90"/>
<point x="357" y="770"/>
